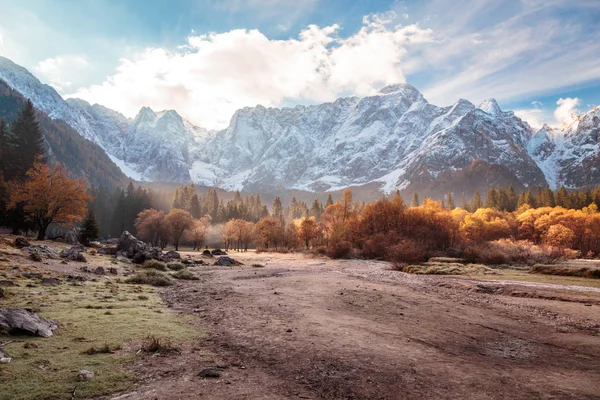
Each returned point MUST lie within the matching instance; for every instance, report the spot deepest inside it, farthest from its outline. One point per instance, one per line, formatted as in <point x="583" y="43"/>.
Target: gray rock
<point x="207" y="253"/>
<point x="32" y="275"/>
<point x="219" y="252"/>
<point x="70" y="236"/>
<point x="210" y="373"/>
<point x="74" y="253"/>
<point x="227" y="262"/>
<point x="19" y="320"/>
<point x="42" y="251"/>
<point x="21" y="242"/>
<point x="50" y="281"/>
<point x="113" y="271"/>
<point x="99" y="271"/>
<point x="172" y="255"/>
<point x="85" y="375"/>
<point x="123" y="259"/>
<point x="6" y="282"/>
<point x="109" y="250"/>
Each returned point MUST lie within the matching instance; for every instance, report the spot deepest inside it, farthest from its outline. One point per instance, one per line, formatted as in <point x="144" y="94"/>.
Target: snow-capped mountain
<point x="395" y="139"/>
<point x="570" y="154"/>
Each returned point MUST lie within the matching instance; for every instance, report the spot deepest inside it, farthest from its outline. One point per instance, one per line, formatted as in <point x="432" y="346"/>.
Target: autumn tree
<point x="559" y="235"/>
<point x="179" y="221"/>
<point x="308" y="231"/>
<point x="50" y="195"/>
<point x="268" y="232"/>
<point x="152" y="227"/>
<point x="197" y="233"/>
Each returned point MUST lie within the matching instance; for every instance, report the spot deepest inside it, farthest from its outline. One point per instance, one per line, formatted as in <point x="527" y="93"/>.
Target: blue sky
<point x="208" y="58"/>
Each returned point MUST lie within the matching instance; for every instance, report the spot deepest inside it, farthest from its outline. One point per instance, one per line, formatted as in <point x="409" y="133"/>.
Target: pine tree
<point x="329" y="201"/>
<point x="450" y="202"/>
<point x="89" y="228"/>
<point x="463" y="203"/>
<point x="277" y="209"/>
<point x="477" y="203"/>
<point x="415" y="200"/>
<point x="212" y="203"/>
<point x="503" y="203"/>
<point x="491" y="200"/>
<point x="195" y="208"/>
<point x="5" y="152"/>
<point x="29" y="142"/>
<point x="562" y="197"/>
<point x="316" y="209"/>
<point x="512" y="199"/>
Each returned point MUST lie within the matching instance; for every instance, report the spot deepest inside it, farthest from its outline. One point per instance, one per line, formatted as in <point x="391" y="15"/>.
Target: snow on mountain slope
<point x="570" y="154"/>
<point x="394" y="137"/>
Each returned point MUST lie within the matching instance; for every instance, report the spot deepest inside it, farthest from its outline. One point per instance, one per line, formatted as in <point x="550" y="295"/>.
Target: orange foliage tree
<point x="50" y="195"/>
<point x="152" y="227"/>
<point x="179" y="221"/>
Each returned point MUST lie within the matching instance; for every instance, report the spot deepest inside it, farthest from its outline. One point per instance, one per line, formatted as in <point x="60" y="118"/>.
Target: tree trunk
<point x="42" y="232"/>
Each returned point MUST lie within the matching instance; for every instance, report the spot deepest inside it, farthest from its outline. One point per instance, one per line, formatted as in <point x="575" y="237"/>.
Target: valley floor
<point x="311" y="328"/>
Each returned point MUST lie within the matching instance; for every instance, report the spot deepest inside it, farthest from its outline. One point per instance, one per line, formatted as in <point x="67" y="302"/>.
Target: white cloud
<point x="213" y="75"/>
<point x="57" y="71"/>
<point x="534" y="117"/>
<point x="537" y="104"/>
<point x="566" y="109"/>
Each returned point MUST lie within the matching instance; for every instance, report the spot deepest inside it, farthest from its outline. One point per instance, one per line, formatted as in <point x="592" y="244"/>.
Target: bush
<point x="376" y="247"/>
<point x="154" y="264"/>
<point x="106" y="349"/>
<point x="175" y="266"/>
<point x="153" y="278"/>
<point x="514" y="252"/>
<point x="339" y="249"/>
<point x="407" y="251"/>
<point x="185" y="275"/>
<point x="583" y="272"/>
<point x="153" y="344"/>
<point x="256" y="265"/>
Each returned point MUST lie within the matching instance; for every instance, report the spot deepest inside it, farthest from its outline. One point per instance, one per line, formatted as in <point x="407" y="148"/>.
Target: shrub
<point x="407" y="251"/>
<point x="584" y="272"/>
<point x="339" y="249"/>
<point x="153" y="344"/>
<point x="153" y="278"/>
<point x="515" y="252"/>
<point x="154" y="264"/>
<point x="185" y="275"/>
<point x="256" y="265"/>
<point x="175" y="266"/>
<point x="376" y="247"/>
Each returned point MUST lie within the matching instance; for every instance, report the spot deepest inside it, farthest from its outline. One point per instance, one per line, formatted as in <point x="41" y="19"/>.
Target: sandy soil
<point x="321" y="329"/>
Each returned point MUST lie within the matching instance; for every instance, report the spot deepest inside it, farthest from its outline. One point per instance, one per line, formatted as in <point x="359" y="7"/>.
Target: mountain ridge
<point x="394" y="138"/>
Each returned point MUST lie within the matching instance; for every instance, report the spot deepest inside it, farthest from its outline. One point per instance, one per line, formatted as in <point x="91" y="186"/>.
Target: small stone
<point x="50" y="281"/>
<point x="113" y="271"/>
<point x="32" y="275"/>
<point x="6" y="283"/>
<point x="64" y="262"/>
<point x="99" y="271"/>
<point x="35" y="257"/>
<point x="85" y="375"/>
<point x="1" y="293"/>
<point x="210" y="373"/>
<point x="289" y="331"/>
<point x="21" y="242"/>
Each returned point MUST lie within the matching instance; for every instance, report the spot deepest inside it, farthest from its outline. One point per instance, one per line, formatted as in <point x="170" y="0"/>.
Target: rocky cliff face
<point x="394" y="139"/>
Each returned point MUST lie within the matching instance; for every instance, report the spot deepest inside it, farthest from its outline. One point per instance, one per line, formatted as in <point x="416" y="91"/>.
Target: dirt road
<point x="319" y="329"/>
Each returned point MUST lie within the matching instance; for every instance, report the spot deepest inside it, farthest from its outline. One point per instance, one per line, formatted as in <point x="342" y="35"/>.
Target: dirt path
<point x="316" y="329"/>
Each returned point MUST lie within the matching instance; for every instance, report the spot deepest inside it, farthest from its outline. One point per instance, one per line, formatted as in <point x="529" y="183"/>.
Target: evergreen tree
<point x="476" y="203"/>
<point x="463" y="203"/>
<point x="450" y="201"/>
<point x="117" y="225"/>
<point x="5" y="152"/>
<point x="329" y="200"/>
<point x="277" y="209"/>
<point x="503" y="203"/>
<point x="512" y="199"/>
<point x="562" y="197"/>
<point x="212" y="203"/>
<point x="316" y="209"/>
<point x="89" y="228"/>
<point x="28" y="142"/>
<point x="195" y="208"/>
<point x="491" y="200"/>
<point x="415" y="200"/>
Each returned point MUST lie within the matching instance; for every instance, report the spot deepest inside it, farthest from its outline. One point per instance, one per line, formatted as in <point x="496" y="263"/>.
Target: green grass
<point x="49" y="371"/>
<point x="150" y="277"/>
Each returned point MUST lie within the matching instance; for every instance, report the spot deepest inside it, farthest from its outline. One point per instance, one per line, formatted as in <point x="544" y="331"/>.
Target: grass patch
<point x="46" y="368"/>
<point x="185" y="275"/>
<point x="583" y="272"/>
<point x="448" y="268"/>
<point x="256" y="265"/>
<point x="175" y="266"/>
<point x="154" y="264"/>
<point x="153" y="278"/>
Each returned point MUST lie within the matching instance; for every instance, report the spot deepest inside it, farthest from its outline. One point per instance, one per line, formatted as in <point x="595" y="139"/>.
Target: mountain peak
<point x="491" y="107"/>
<point x="405" y="90"/>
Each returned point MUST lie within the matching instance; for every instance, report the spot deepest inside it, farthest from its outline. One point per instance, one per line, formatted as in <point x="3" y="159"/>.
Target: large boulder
<point x="129" y="245"/>
<point x="70" y="236"/>
<point x="110" y="250"/>
<point x="227" y="262"/>
<point x="21" y="242"/>
<point x="172" y="255"/>
<point x="23" y="320"/>
<point x="73" y="253"/>
<point x="219" y="252"/>
<point x="41" y="251"/>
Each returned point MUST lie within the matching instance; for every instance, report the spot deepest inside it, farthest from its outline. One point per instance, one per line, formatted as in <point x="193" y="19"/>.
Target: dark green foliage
<point x="150" y="277"/>
<point x="89" y="229"/>
<point x="28" y="142"/>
